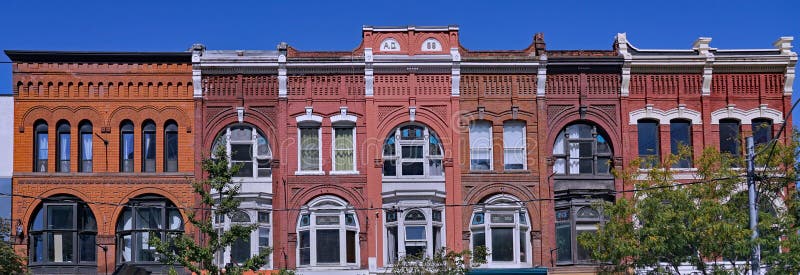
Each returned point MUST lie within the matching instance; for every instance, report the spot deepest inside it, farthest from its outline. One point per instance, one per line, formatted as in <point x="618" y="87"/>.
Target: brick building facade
<point x="407" y="144"/>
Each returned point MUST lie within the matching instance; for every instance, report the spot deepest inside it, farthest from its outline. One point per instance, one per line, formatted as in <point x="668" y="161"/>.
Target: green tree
<point x="199" y="257"/>
<point x="704" y="222"/>
<point x="10" y="261"/>
<point x="443" y="262"/>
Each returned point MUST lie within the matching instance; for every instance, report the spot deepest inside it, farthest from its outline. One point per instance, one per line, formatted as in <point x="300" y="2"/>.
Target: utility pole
<point x="755" y="257"/>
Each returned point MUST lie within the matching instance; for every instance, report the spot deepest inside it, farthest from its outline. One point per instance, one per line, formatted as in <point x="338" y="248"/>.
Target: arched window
<point x="582" y="149"/>
<point x="413" y="232"/>
<point x="729" y="136"/>
<point x="41" y="143"/>
<point x="762" y="130"/>
<point x="85" y="146"/>
<point x="649" y="151"/>
<point x="63" y="146"/>
<point x="62" y="234"/>
<point x="126" y="146"/>
<point x="480" y="145"/>
<point x="327" y="233"/>
<point x="680" y="135"/>
<point x="247" y="147"/>
<point x="171" y="146"/>
<point x="501" y="226"/>
<point x="412" y="150"/>
<point x="148" y="146"/>
<point x="144" y="218"/>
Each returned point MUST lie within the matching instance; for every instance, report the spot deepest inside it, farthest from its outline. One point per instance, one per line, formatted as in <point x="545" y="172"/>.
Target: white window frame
<point x="503" y="204"/>
<point x="426" y="157"/>
<point x="300" y="150"/>
<point x="489" y="149"/>
<point x="254" y="133"/>
<point x="338" y="127"/>
<point x="313" y="211"/>
<point x="224" y="226"/>
<point x="522" y="147"/>
<point x="401" y="224"/>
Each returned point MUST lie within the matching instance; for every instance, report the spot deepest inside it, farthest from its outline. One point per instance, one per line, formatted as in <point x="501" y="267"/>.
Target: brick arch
<point x="36" y="113"/>
<point x="600" y="119"/>
<point x="174" y="113"/>
<point x="135" y="115"/>
<point x="144" y="191"/>
<point x="59" y="191"/>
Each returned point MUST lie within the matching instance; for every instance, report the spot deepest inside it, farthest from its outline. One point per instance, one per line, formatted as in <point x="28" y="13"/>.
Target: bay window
<point x="500" y="225"/>
<point x="327" y="234"/>
<point x="141" y="219"/>
<point x="412" y="232"/>
<point x="248" y="149"/>
<point x="412" y="150"/>
<point x="62" y="234"/>
<point x="580" y="149"/>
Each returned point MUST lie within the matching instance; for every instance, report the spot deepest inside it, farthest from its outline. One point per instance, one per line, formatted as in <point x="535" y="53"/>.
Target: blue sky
<point x="146" y="25"/>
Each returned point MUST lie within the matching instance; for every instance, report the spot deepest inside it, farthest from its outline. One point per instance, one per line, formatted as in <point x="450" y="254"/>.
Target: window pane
<point x="502" y="218"/>
<point x="327" y="246"/>
<point x="523" y="243"/>
<point x="514" y="145"/>
<point x="388" y="146"/>
<point x="480" y="145"/>
<point x="389" y="168"/>
<point x="477" y="218"/>
<point x="586" y="166"/>
<point x="263" y="238"/>
<point x="478" y="240"/>
<point x="305" y="247"/>
<point x="435" y="168"/>
<point x="171" y="150"/>
<point x="63" y="152"/>
<point x="437" y="238"/>
<point x="264" y="168"/>
<point x="124" y="246"/>
<point x="415" y="250"/>
<point x="480" y="159"/>
<point x="391" y="241"/>
<point x="415" y="233"/>
<point x="327" y="220"/>
<point x="41" y="154"/>
<point x="149" y="151"/>
<point x="343" y="138"/>
<point x="60" y="217"/>
<point x="37" y="244"/>
<point x="502" y="244"/>
<point x="88" y="247"/>
<point x="434" y="146"/>
<point x="127" y="152"/>
<point x="564" y="242"/>
<point x="351" y="246"/>
<point x="514" y="158"/>
<point x="729" y="137"/>
<point x="602" y="145"/>
<point x="60" y="249"/>
<point x="174" y="219"/>
<point x="263" y="217"/>
<point x="603" y="165"/>
<point x="413" y="169"/>
<point x="241" y="134"/>
<point x="149" y="218"/>
<point x="344" y="160"/>
<point x="762" y="131"/>
<point x="245" y="168"/>
<point x="309" y="147"/>
<point x="241" y="152"/>
<point x="583" y="253"/>
<point x="584" y="150"/>
<point x="680" y="136"/>
<point x="86" y="152"/>
<point x="240" y="249"/>
<point x="413" y="152"/>
<point x="411" y="132"/>
<point x="145" y="252"/>
<point x="648" y="142"/>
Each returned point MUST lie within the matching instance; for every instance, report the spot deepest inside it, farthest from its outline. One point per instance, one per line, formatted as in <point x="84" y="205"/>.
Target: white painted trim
<point x="664" y="116"/>
<point x="308" y="116"/>
<point x="368" y="73"/>
<point x="455" y="73"/>
<point x="746" y="116"/>
<point x="343" y="116"/>
<point x="300" y="156"/>
<point x="541" y="76"/>
<point x="333" y="152"/>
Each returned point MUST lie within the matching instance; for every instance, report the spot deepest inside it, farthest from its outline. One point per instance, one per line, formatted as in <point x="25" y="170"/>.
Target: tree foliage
<point x="702" y="222"/>
<point x="10" y="261"/>
<point x="443" y="262"/>
<point x="199" y="257"/>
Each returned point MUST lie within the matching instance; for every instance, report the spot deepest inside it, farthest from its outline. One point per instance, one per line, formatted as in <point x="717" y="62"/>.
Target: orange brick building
<point x="111" y="129"/>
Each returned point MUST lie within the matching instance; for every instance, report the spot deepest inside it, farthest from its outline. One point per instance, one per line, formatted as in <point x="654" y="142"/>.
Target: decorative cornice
<point x="343" y="116"/>
<point x="622" y="47"/>
<point x="197" y="73"/>
<point x="664" y="116"/>
<point x="784" y="44"/>
<point x="746" y="116"/>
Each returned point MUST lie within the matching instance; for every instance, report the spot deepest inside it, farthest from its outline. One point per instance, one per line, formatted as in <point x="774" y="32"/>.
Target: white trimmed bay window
<point x="248" y="148"/>
<point x="242" y="249"/>
<point x="501" y="226"/>
<point x="327" y="234"/>
<point x="412" y="151"/>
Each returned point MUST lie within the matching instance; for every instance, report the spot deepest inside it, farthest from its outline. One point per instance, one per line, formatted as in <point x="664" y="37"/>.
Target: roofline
<point x="96" y="56"/>
<point x="408" y="27"/>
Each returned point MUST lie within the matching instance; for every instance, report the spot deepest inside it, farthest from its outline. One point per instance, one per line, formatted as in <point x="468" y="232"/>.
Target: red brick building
<point x="99" y="137"/>
<point x="405" y="145"/>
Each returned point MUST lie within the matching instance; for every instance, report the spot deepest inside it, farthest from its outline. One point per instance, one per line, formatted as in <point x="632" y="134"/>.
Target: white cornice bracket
<point x="282" y="78"/>
<point x="622" y="46"/>
<point x="785" y="45"/>
<point x="455" y="77"/>
<point x="541" y="76"/>
<point x="703" y="48"/>
<point x="368" y="73"/>
<point x="197" y="73"/>
<point x="412" y="113"/>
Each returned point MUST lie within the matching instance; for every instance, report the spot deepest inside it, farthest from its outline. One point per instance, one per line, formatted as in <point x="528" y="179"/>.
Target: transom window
<point x="412" y="150"/>
<point x="63" y="231"/>
<point x="327" y="233"/>
<point x="248" y="148"/>
<point x="144" y="218"/>
<point x="501" y="226"/>
<point x="580" y="149"/>
<point x="413" y="232"/>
